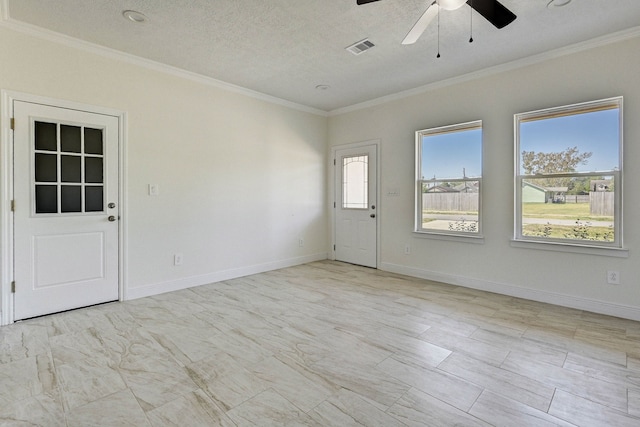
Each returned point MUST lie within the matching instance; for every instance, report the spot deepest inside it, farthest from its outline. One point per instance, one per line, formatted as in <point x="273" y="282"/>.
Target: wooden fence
<point x="448" y="202"/>
<point x="602" y="203"/>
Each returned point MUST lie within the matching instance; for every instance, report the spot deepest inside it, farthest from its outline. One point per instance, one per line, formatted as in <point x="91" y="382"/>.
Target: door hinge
<point x="334" y="160"/>
<point x="13" y="123"/>
<point x="13" y="287"/>
<point x="13" y="206"/>
<point x="334" y="205"/>
<point x="334" y="247"/>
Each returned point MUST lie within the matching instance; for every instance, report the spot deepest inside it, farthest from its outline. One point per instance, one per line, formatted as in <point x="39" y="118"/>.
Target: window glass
<point x="568" y="176"/>
<point x="449" y="179"/>
<point x="355" y="182"/>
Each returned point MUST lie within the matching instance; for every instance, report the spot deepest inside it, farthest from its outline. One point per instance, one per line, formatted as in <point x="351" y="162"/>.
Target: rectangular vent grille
<point x="361" y="46"/>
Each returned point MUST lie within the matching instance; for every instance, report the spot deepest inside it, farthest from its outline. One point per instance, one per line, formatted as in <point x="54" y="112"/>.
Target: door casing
<point x="6" y="191"/>
<point x="333" y="202"/>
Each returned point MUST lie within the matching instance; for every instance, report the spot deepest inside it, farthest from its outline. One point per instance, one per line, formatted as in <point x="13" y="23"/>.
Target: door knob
<point x="111" y="218"/>
<point x="372" y="215"/>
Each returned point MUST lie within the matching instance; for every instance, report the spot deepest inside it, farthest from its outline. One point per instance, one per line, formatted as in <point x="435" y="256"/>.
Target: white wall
<point x="241" y="179"/>
<point x="564" y="278"/>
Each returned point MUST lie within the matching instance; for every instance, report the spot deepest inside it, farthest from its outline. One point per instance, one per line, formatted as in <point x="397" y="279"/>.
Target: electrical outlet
<point x="407" y="250"/>
<point x="613" y="277"/>
<point x="301" y="242"/>
<point x="177" y="259"/>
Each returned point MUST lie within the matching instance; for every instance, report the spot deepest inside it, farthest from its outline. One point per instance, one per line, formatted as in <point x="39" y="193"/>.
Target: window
<point x="449" y="180"/>
<point x="568" y="187"/>
<point x="355" y="182"/>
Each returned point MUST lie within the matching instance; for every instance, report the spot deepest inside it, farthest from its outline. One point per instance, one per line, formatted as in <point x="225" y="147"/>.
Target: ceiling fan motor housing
<point x="451" y="4"/>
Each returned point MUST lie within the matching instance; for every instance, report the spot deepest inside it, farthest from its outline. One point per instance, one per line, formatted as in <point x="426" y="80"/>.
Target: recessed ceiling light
<point x="323" y="87"/>
<point x="134" y="16"/>
<point x="557" y="3"/>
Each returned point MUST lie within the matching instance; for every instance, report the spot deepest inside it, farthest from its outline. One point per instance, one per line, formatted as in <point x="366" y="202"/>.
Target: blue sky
<point x="596" y="132"/>
<point x="447" y="154"/>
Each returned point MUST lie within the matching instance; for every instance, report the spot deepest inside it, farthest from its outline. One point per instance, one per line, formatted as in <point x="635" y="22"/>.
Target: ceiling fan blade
<point x="422" y="24"/>
<point x="493" y="12"/>
<point x="359" y="2"/>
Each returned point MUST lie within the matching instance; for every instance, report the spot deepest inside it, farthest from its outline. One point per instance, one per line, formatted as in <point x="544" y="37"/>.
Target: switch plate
<point x="154" y="189"/>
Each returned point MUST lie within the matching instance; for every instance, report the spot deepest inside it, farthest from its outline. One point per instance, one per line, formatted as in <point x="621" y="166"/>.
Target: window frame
<point x="519" y="177"/>
<point x="446" y="234"/>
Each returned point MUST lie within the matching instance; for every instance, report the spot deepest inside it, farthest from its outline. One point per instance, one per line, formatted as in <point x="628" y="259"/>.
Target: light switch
<point x="154" y="189"/>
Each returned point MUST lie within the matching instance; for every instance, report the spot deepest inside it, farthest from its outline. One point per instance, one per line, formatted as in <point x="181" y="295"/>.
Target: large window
<point x="449" y="180"/>
<point x="569" y="174"/>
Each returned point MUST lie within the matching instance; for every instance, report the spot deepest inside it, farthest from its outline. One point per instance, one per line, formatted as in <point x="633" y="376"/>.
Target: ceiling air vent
<point x="359" y="47"/>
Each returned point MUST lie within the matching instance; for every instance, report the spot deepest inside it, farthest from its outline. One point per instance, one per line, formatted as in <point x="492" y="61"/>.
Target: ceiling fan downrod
<point x="471" y="21"/>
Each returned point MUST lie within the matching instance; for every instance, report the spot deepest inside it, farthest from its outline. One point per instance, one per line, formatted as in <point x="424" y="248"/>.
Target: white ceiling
<point x="285" y="48"/>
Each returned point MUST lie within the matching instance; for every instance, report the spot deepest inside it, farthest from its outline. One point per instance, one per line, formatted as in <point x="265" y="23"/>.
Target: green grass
<point x="561" y="211"/>
<point x="603" y="234"/>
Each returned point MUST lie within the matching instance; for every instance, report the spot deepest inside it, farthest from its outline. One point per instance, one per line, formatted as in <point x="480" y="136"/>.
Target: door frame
<point x="6" y="191"/>
<point x="333" y="203"/>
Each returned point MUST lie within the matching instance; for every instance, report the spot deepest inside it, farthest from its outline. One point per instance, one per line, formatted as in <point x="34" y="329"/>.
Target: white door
<point x="66" y="213"/>
<point x="355" y="206"/>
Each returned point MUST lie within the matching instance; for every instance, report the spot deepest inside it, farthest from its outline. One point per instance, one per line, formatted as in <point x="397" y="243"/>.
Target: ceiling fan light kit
<point x="557" y="3"/>
<point x="492" y="10"/>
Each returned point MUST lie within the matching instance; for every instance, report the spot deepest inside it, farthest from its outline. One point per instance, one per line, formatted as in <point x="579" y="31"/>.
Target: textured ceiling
<point x="285" y="48"/>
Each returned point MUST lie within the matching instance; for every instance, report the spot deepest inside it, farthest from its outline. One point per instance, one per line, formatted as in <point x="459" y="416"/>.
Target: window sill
<point x="578" y="249"/>
<point x="477" y="239"/>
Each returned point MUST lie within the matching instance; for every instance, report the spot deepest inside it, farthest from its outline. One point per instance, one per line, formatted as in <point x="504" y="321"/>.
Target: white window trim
<point x="449" y="235"/>
<point x="614" y="249"/>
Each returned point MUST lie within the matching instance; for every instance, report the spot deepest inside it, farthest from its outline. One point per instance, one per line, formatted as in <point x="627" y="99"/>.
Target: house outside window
<point x="449" y="180"/>
<point x="568" y="174"/>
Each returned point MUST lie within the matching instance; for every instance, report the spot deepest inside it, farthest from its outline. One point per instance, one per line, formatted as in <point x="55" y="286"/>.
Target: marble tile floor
<point x="322" y="344"/>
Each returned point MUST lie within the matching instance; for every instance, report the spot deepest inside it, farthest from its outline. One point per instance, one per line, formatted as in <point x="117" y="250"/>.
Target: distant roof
<point x="555" y="189"/>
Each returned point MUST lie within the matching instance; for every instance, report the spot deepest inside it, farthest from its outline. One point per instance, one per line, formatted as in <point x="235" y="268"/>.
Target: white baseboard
<point x="189" y="282"/>
<point x="595" y="306"/>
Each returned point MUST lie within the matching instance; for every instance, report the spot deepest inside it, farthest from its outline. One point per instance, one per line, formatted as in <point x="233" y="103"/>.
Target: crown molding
<point x="31" y="30"/>
<point x="509" y="66"/>
<point x="7" y="22"/>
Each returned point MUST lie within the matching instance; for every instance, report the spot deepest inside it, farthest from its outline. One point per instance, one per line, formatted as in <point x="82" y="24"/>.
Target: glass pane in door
<point x="94" y="199"/>
<point x="46" y="136"/>
<point x="46" y="199"/>
<point x="355" y="182"/>
<point x="68" y="173"/>
<point x="71" y="198"/>
<point x="92" y="141"/>
<point x="70" y="139"/>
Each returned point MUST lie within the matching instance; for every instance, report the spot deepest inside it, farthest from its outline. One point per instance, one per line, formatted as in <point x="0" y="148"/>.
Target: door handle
<point x="372" y="215"/>
<point x="111" y="218"/>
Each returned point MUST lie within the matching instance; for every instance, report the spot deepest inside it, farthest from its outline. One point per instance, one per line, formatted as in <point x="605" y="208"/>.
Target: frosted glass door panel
<point x="355" y="182"/>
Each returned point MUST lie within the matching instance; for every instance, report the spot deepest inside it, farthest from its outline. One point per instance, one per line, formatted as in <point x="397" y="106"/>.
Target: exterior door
<point x="65" y="212"/>
<point x="356" y="213"/>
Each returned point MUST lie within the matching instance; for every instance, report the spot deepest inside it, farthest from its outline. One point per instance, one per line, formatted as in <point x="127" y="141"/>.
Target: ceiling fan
<point x="491" y="10"/>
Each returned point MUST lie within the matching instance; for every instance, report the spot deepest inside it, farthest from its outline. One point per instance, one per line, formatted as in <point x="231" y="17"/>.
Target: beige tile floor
<point x="323" y="344"/>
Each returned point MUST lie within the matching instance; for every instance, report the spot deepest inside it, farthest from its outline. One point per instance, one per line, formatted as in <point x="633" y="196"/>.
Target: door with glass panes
<point x="66" y="209"/>
<point x="355" y="205"/>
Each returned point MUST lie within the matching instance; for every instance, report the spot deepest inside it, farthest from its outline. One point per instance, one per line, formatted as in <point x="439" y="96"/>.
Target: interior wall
<point x="572" y="279"/>
<point x="241" y="180"/>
